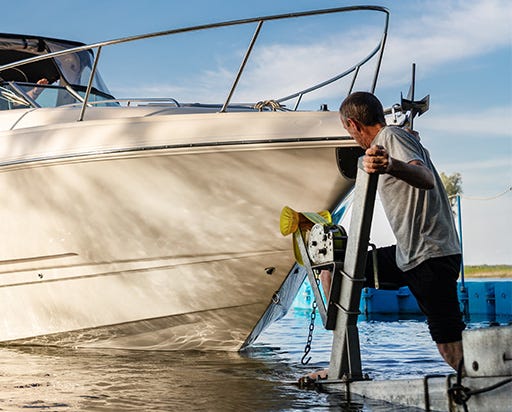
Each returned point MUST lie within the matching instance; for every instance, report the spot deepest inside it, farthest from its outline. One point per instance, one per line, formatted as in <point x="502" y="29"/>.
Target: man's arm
<point x="415" y="173"/>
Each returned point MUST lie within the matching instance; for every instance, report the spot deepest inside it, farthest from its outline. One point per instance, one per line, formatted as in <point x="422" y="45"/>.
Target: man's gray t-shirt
<point x="421" y="220"/>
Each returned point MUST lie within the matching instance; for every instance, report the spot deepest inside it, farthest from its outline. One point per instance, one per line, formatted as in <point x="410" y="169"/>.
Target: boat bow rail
<point x="84" y="95"/>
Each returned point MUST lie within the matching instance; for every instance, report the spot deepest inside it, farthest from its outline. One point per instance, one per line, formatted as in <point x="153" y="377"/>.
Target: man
<point x="427" y="255"/>
<point x="36" y="91"/>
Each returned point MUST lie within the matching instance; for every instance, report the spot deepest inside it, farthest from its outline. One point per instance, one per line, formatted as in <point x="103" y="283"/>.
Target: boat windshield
<point x="64" y="77"/>
<point x="76" y="67"/>
<point x="22" y="95"/>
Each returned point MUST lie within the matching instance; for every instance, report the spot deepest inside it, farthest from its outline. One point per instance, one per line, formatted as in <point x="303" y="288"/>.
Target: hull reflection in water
<point x="260" y="380"/>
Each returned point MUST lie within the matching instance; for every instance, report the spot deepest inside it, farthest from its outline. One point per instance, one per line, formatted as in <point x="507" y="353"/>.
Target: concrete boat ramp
<point x="486" y="385"/>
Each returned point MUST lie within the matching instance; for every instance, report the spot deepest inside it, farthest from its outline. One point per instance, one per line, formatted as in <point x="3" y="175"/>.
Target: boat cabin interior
<point x="66" y="76"/>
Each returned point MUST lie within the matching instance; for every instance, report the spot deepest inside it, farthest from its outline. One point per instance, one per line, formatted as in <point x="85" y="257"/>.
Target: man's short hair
<point x="363" y="107"/>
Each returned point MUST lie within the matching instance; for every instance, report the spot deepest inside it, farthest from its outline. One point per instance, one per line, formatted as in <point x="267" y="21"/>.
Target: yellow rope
<point x="272" y="104"/>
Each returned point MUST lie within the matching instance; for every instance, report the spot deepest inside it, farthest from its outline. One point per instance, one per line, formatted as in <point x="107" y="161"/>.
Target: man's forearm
<point x="414" y="173"/>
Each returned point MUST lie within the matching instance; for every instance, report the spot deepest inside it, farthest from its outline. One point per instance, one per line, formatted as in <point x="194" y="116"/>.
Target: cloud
<point x="436" y="34"/>
<point x="281" y="69"/>
<point x="273" y="71"/>
<point x="447" y="32"/>
<point x="443" y="34"/>
<point x="487" y="122"/>
<point x="483" y="178"/>
<point x="495" y="164"/>
<point x="486" y="229"/>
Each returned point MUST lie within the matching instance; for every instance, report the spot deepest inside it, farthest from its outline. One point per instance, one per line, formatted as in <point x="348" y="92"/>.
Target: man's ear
<point x="354" y="123"/>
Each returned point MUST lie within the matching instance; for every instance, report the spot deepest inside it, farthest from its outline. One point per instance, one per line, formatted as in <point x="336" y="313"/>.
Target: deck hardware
<point x="89" y="84"/>
<point x="394" y="109"/>
<point x="276" y="298"/>
<point x="414" y="107"/>
<point x="242" y="65"/>
<point x="40" y="275"/>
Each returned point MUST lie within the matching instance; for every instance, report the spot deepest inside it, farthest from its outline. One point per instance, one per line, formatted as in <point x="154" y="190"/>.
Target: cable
<point x="485" y="198"/>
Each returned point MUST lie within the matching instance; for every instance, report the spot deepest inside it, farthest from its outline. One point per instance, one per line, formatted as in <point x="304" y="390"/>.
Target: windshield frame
<point x="18" y="95"/>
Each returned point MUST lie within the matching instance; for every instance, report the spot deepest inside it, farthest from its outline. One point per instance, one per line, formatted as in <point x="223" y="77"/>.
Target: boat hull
<point x="135" y="240"/>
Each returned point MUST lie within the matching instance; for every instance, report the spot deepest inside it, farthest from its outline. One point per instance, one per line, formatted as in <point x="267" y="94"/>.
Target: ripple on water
<point x="260" y="379"/>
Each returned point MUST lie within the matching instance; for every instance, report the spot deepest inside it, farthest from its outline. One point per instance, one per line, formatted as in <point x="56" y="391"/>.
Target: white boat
<point x="153" y="224"/>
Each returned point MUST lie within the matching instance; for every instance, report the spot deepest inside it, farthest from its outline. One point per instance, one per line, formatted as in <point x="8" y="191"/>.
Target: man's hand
<point x="44" y="80"/>
<point x="377" y="160"/>
<point x="36" y="91"/>
<point x="415" y="173"/>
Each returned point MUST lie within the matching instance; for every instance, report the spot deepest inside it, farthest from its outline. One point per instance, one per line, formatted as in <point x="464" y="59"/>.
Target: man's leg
<point x="326" y="280"/>
<point x="434" y="284"/>
<point x="451" y="353"/>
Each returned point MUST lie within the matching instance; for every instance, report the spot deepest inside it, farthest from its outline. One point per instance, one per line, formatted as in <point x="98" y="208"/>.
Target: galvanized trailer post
<point x="347" y="282"/>
<point x="342" y="309"/>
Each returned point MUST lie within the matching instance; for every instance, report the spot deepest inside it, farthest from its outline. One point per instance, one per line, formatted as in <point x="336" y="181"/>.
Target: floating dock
<point x="486" y="299"/>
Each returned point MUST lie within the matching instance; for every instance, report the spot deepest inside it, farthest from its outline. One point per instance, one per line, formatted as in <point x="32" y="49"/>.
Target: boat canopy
<point x="73" y="68"/>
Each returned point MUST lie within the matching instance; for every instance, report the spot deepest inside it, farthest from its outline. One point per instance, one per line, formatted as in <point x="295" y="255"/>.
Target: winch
<point x="326" y="244"/>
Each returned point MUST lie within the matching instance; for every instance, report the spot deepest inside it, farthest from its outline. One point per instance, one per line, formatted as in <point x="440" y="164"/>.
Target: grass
<point x="488" y="271"/>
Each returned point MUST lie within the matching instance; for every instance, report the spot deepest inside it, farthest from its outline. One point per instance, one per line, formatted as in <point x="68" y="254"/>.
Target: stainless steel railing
<point x="378" y="50"/>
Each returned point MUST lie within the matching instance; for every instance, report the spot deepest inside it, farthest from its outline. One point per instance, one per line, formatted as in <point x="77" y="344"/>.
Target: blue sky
<point x="462" y="50"/>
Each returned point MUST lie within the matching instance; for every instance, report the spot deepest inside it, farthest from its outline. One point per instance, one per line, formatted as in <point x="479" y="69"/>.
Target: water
<point x="53" y="379"/>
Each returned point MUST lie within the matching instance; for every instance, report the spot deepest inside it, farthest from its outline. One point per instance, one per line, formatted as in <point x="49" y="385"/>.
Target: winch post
<point x="345" y="353"/>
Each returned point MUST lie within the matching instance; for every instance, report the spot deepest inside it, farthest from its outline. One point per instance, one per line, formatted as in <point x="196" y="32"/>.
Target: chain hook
<point x="307" y="348"/>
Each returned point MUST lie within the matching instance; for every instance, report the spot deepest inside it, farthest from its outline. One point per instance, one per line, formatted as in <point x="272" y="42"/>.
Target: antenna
<point x="415" y="107"/>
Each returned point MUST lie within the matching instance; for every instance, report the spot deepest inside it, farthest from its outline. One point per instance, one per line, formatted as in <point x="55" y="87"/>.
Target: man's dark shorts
<point x="433" y="283"/>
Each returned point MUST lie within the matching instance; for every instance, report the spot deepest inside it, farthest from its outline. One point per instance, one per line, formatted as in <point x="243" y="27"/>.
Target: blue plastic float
<point x="486" y="298"/>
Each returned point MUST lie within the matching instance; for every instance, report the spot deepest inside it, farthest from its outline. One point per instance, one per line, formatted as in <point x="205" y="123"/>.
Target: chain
<point x="307" y="348"/>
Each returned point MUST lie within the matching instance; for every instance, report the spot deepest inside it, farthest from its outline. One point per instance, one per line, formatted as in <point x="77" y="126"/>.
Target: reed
<point x="491" y="271"/>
